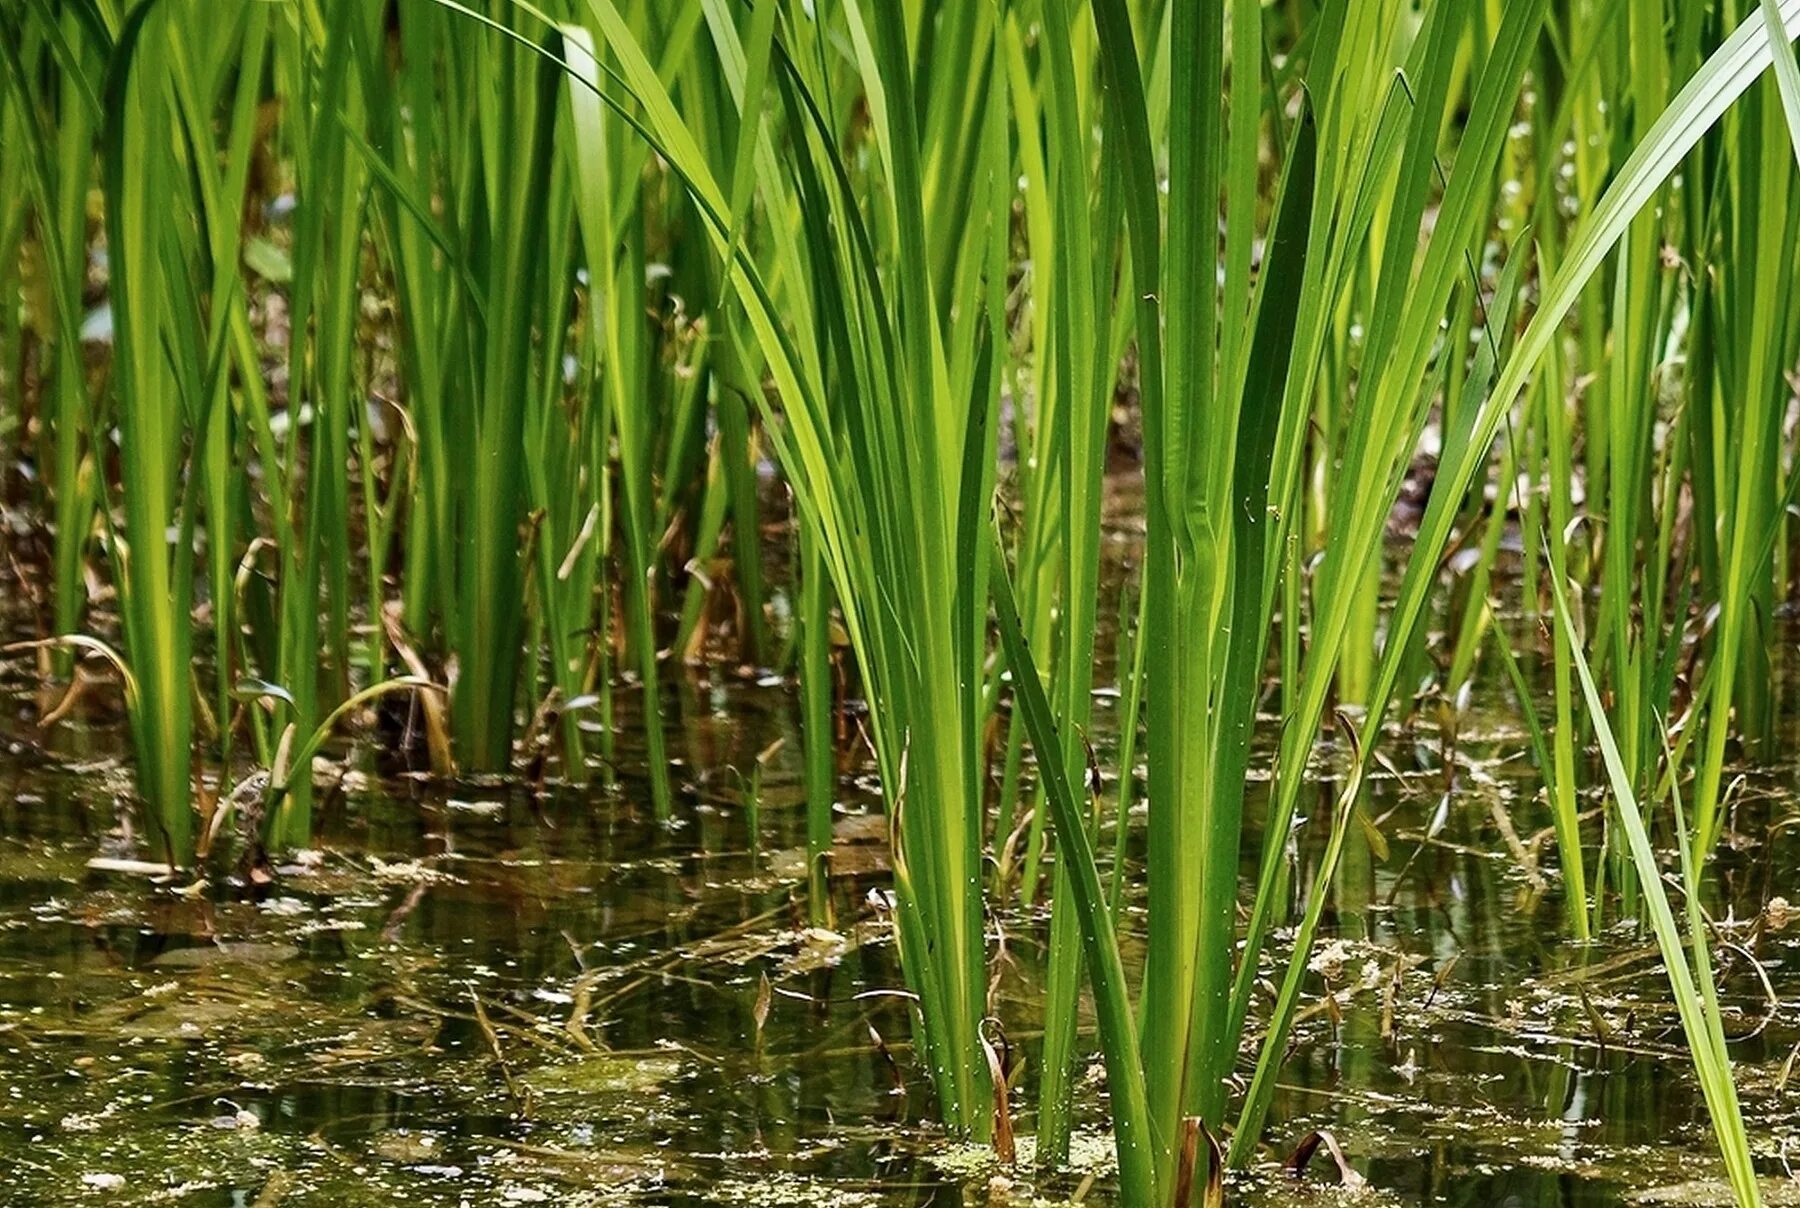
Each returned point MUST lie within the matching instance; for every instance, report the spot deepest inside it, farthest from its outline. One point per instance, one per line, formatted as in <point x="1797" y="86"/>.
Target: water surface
<point x="485" y="994"/>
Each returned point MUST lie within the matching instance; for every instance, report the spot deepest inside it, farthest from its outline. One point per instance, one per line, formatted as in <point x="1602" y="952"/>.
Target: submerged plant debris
<point x="534" y="1004"/>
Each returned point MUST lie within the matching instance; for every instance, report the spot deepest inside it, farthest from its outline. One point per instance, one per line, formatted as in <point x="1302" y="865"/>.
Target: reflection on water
<point x="476" y="995"/>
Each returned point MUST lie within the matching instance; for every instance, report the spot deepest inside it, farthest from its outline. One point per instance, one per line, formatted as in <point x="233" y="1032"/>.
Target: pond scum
<point x="433" y="369"/>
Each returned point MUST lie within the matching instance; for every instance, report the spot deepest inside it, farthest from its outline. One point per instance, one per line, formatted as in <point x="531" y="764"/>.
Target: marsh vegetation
<point x="1130" y="601"/>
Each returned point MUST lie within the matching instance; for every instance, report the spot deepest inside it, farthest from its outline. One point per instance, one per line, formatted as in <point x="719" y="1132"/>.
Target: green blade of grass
<point x="1118" y="1028"/>
<point x="1700" y="1020"/>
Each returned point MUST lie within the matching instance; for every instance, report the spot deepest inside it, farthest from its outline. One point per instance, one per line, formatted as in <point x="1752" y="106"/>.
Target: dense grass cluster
<point x="367" y="346"/>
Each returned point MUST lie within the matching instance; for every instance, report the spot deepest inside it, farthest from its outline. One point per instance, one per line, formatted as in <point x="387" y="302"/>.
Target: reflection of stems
<point x="759" y="1014"/>
<point x="583" y="1006"/>
<point x="663" y="964"/>
<point x="493" y="1039"/>
<point x="390" y="930"/>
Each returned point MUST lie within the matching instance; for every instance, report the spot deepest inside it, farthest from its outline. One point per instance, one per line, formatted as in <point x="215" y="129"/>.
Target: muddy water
<point x="475" y="994"/>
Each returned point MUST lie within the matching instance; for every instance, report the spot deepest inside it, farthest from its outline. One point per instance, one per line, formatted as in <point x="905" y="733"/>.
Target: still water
<point x="485" y="994"/>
